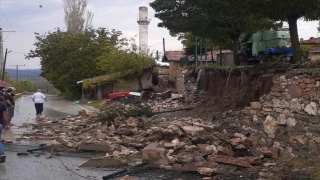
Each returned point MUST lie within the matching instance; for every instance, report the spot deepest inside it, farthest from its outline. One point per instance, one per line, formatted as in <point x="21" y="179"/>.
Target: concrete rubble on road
<point x="184" y="144"/>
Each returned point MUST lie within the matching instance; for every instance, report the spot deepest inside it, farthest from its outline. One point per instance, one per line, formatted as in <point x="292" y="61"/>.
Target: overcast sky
<point x="26" y="17"/>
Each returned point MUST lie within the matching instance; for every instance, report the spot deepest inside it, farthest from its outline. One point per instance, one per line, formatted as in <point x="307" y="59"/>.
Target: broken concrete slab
<point x="241" y="161"/>
<point x="95" y="147"/>
<point x="103" y="162"/>
<point x="66" y="143"/>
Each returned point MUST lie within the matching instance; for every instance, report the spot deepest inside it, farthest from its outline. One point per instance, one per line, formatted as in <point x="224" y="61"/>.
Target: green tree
<point x="124" y="63"/>
<point x="21" y="86"/>
<point x="67" y="58"/>
<point x="290" y="11"/>
<point x="212" y="19"/>
<point x="24" y="85"/>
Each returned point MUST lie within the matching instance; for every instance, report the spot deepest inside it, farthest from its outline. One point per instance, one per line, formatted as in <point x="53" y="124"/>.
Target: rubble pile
<point x="164" y="102"/>
<point x="160" y="105"/>
<point x="284" y="121"/>
<point x="184" y="144"/>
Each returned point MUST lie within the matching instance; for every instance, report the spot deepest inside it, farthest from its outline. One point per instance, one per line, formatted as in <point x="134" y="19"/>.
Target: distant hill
<point x="30" y="74"/>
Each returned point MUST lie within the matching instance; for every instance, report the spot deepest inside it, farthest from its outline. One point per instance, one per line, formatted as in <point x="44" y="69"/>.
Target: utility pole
<point x="1" y="49"/>
<point x="164" y="46"/>
<point x="17" y="68"/>
<point x="4" y="64"/>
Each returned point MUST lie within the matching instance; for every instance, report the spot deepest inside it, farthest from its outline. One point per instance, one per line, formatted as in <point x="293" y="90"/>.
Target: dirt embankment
<point x="230" y="90"/>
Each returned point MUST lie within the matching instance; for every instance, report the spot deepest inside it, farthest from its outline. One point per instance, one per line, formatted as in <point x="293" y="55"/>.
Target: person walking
<point x="8" y="96"/>
<point x="4" y="123"/>
<point x="38" y="98"/>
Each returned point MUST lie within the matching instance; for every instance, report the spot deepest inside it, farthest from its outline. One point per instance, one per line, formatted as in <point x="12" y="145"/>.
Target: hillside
<point x="30" y="74"/>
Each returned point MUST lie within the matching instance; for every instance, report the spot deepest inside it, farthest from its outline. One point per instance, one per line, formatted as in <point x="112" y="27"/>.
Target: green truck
<point x="262" y="46"/>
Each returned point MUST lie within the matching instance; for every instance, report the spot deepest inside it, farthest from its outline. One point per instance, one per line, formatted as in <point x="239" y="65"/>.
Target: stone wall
<point x="187" y="86"/>
<point x="288" y="116"/>
<point x="163" y="76"/>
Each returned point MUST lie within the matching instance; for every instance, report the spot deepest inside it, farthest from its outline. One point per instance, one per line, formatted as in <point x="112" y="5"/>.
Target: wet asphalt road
<point x="36" y="166"/>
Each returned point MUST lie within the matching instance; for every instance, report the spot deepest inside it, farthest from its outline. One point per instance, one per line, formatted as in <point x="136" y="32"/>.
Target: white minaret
<point x="143" y="29"/>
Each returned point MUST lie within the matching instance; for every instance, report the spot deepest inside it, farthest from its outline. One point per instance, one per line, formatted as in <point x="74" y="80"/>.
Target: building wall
<point x="163" y="76"/>
<point x="227" y="59"/>
<point x="174" y="67"/>
<point x="131" y="84"/>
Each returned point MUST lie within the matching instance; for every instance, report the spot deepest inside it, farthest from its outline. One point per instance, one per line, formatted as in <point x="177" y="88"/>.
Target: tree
<point x="210" y="19"/>
<point x="290" y="11"/>
<point x="75" y="19"/>
<point x="67" y="58"/>
<point x="124" y="63"/>
<point x="21" y="86"/>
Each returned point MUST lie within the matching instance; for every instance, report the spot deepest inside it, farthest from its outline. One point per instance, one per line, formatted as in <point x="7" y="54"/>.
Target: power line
<point x="6" y="19"/>
<point x="17" y="69"/>
<point x="6" y="37"/>
<point x="19" y="52"/>
<point x="155" y="44"/>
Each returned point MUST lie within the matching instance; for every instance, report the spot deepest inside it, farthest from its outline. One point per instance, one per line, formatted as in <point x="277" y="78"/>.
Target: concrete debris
<point x="190" y="142"/>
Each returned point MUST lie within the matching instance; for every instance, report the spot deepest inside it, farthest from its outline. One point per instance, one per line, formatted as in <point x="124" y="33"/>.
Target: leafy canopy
<point x="67" y="58"/>
<point x="213" y="19"/>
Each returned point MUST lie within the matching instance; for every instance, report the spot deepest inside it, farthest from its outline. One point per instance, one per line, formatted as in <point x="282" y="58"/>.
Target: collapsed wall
<point x="278" y="109"/>
<point x="288" y="116"/>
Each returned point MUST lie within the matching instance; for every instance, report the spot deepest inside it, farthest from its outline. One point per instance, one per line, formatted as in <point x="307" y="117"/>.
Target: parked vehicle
<point x="264" y="45"/>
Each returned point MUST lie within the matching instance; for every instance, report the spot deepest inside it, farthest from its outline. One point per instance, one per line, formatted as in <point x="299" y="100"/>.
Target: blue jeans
<point x="1" y="127"/>
<point x="10" y="112"/>
<point x="1" y="147"/>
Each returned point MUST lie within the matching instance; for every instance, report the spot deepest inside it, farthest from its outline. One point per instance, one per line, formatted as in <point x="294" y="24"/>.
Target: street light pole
<point x="17" y="68"/>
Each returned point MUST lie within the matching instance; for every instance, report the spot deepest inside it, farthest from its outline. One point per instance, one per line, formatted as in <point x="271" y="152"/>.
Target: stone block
<point x="256" y="105"/>
<point x="206" y="171"/>
<point x="266" y="152"/>
<point x="295" y="91"/>
<point x="154" y="155"/>
<point x="177" y="167"/>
